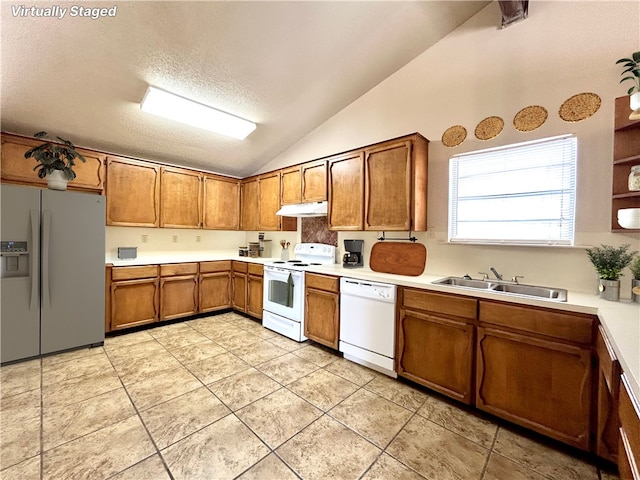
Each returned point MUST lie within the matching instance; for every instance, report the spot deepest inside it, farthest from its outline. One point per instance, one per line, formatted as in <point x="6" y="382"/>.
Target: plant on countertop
<point x="632" y="66"/>
<point x="610" y="261"/>
<point x="635" y="268"/>
<point x="54" y="156"/>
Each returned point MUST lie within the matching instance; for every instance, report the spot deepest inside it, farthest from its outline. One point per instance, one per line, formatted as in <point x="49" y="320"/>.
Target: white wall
<point x="562" y="49"/>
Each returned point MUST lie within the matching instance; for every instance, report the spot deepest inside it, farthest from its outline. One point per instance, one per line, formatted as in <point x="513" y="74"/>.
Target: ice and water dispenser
<point x="15" y="259"/>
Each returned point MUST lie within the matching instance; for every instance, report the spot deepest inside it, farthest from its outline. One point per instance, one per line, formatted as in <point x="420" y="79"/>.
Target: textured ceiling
<point x="288" y="66"/>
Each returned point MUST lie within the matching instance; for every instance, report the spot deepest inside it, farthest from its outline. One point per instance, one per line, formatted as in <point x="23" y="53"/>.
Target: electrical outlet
<point x="174" y="239"/>
<point x="198" y="238"/>
<point x="144" y="238"/>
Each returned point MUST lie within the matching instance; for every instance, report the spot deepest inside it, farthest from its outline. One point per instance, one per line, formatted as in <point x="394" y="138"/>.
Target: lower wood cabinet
<point x="255" y="273"/>
<point x="531" y="372"/>
<point x="178" y="290"/>
<point x="322" y="309"/>
<point x="435" y="341"/>
<point x="608" y="379"/>
<point x="215" y="286"/>
<point x="239" y="286"/>
<point x="135" y="295"/>
<point x="629" y="440"/>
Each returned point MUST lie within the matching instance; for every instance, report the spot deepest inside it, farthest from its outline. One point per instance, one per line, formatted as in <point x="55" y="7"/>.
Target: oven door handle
<point x="290" y="290"/>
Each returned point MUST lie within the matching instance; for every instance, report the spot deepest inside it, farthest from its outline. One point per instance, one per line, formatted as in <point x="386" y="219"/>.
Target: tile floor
<point x="222" y="397"/>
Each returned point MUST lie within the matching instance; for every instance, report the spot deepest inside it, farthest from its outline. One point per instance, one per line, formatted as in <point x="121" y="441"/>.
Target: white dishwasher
<point x="367" y="323"/>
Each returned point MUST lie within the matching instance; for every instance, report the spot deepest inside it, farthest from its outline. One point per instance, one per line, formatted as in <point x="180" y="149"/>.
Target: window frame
<point x="566" y="207"/>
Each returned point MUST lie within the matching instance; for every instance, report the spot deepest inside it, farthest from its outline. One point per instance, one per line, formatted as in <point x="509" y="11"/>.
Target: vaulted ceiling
<point x="288" y="66"/>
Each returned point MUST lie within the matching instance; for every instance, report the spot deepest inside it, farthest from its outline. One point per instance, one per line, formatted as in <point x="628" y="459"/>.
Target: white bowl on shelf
<point x="629" y="218"/>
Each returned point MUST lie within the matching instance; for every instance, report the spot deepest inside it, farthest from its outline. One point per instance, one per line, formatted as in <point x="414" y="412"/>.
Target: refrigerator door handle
<point x="46" y="229"/>
<point x="33" y="301"/>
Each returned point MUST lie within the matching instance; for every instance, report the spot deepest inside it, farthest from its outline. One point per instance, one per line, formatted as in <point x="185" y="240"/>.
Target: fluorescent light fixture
<point x="167" y="105"/>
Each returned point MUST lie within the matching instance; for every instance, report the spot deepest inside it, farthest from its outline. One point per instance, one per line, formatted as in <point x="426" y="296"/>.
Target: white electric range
<point x="283" y="299"/>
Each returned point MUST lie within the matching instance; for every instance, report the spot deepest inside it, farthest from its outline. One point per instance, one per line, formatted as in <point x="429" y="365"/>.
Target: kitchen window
<point x="518" y="194"/>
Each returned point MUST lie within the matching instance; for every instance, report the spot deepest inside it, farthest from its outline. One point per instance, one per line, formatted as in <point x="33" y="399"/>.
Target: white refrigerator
<point x="52" y="271"/>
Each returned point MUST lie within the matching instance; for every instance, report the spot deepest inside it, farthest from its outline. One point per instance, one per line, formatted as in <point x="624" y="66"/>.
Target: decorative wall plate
<point x="489" y="128"/>
<point x="454" y="136"/>
<point x="530" y="118"/>
<point x="579" y="107"/>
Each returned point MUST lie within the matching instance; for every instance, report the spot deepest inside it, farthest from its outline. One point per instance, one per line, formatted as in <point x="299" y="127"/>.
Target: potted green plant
<point x="631" y="73"/>
<point x="55" y="161"/>
<point x="635" y="282"/>
<point x="609" y="262"/>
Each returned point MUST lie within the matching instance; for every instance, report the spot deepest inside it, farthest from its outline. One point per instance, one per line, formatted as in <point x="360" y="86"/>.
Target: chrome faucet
<point x="495" y="272"/>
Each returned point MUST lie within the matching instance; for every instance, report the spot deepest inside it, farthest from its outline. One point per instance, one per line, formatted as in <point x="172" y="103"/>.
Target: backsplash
<point x="314" y="230"/>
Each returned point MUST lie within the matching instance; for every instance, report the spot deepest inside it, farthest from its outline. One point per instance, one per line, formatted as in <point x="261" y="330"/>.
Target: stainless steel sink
<point x="507" y="288"/>
<point x="464" y="282"/>
<point x="557" y="294"/>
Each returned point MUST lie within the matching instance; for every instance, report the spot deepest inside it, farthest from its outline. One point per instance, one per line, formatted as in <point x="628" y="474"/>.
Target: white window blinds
<point x="519" y="194"/>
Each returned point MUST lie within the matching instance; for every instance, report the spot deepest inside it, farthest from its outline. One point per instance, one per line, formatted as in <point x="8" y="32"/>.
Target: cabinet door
<point x="608" y="423"/>
<point x="290" y="188"/>
<point x="133" y="193"/>
<point x="239" y="291"/>
<point x="314" y="181"/>
<point x="134" y="302"/>
<point x="322" y="317"/>
<point x="249" y="199"/>
<point x="17" y="169"/>
<point x="537" y="383"/>
<point x="269" y="194"/>
<point x="254" y="295"/>
<point x="179" y="296"/>
<point x="221" y="203"/>
<point x="388" y="187"/>
<point x="180" y="198"/>
<point x="215" y="291"/>
<point x="346" y="192"/>
<point x="436" y="352"/>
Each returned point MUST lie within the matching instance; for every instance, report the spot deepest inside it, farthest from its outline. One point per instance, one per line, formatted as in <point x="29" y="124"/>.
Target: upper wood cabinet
<point x="17" y="169"/>
<point x="133" y="193"/>
<point x="269" y="195"/>
<point x="314" y="181"/>
<point x="304" y="183"/>
<point x="396" y="185"/>
<point x="269" y="204"/>
<point x="249" y="200"/>
<point x="346" y="191"/>
<point x="221" y="203"/>
<point x="290" y="185"/>
<point x="180" y="198"/>
<point x="380" y="187"/>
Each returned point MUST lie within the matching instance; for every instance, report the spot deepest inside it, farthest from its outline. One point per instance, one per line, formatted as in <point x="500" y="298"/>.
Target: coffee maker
<point x="353" y="255"/>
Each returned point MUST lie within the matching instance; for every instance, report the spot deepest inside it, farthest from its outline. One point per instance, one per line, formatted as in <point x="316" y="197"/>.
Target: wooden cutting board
<point x="401" y="258"/>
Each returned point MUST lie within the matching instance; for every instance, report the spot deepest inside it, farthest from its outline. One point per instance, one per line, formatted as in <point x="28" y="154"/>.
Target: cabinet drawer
<point x="322" y="282"/>
<point x="171" y="269"/>
<point x="131" y="273"/>
<point x="440" y="303"/>
<point x="629" y="412"/>
<point x="609" y="364"/>
<point x="239" y="267"/>
<point x="255" y="269"/>
<point x="219" y="266"/>
<point x="572" y="327"/>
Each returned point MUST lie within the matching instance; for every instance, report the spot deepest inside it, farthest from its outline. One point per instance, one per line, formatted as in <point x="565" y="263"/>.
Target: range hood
<point x="316" y="209"/>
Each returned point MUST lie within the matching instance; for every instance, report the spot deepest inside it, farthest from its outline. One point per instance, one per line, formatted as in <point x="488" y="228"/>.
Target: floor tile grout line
<point x="488" y="459"/>
<point x="144" y="425"/>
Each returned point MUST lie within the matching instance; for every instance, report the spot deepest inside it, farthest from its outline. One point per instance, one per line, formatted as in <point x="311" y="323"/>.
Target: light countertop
<point x="620" y="320"/>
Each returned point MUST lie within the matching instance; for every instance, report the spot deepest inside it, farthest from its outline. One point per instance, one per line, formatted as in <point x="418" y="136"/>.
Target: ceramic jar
<point x="634" y="179"/>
